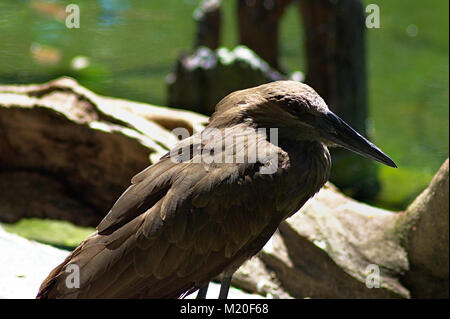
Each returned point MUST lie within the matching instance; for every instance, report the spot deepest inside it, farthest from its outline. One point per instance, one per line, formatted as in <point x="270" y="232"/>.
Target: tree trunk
<point x="258" y="27"/>
<point x="208" y="17"/>
<point x="336" y="69"/>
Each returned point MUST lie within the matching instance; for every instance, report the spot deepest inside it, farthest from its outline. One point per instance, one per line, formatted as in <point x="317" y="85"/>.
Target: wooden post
<point x="208" y="17"/>
<point x="336" y="69"/>
<point x="258" y="27"/>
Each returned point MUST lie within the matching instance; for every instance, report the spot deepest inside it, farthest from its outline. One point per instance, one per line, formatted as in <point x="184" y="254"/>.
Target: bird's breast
<point x="306" y="170"/>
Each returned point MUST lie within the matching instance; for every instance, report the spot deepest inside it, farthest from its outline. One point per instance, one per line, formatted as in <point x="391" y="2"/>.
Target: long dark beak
<point x="337" y="131"/>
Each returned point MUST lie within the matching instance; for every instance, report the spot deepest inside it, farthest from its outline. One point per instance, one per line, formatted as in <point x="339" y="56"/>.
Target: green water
<point x="131" y="46"/>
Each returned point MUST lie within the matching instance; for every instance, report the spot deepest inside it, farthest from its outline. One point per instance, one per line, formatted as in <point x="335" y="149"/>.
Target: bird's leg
<point x="202" y="292"/>
<point x="225" y="286"/>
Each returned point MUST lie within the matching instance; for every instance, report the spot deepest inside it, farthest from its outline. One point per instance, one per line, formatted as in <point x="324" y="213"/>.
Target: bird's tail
<point x="47" y="285"/>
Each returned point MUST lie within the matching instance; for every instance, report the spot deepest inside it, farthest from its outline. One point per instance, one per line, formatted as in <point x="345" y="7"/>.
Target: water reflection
<point x="112" y="12"/>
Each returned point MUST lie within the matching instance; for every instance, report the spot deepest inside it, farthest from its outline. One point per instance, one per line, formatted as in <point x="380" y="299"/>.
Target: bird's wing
<point x="176" y="227"/>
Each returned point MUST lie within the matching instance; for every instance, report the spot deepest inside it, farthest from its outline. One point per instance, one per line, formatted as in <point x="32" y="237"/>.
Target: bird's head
<point x="298" y="112"/>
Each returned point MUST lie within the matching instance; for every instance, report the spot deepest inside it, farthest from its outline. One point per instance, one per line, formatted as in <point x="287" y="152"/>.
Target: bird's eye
<point x="303" y="115"/>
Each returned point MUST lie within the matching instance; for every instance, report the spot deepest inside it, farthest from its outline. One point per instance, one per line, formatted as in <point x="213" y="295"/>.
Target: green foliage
<point x="58" y="233"/>
<point x="400" y="186"/>
<point x="409" y="94"/>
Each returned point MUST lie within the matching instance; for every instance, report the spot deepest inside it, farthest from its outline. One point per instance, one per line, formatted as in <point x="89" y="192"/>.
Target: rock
<point x="254" y="276"/>
<point x="326" y="249"/>
<point x="34" y="194"/>
<point x="425" y="225"/>
<point x="71" y="153"/>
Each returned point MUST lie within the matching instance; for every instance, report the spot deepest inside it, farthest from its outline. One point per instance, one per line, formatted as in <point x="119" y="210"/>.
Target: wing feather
<point x="177" y="226"/>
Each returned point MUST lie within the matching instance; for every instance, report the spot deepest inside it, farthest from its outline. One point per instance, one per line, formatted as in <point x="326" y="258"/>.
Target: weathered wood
<point x="258" y="27"/>
<point x="200" y="80"/>
<point x="336" y="69"/>
<point x="335" y="52"/>
<point x="209" y="19"/>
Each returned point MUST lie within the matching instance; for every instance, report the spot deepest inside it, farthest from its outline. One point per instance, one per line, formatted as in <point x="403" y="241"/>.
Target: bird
<point x="193" y="215"/>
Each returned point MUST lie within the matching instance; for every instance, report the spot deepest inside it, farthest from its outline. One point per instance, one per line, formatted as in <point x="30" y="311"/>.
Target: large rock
<point x="425" y="226"/>
<point x="328" y="249"/>
<point x="69" y="153"/>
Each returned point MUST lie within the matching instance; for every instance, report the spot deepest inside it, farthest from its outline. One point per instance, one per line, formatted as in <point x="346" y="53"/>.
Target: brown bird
<point x="203" y="209"/>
